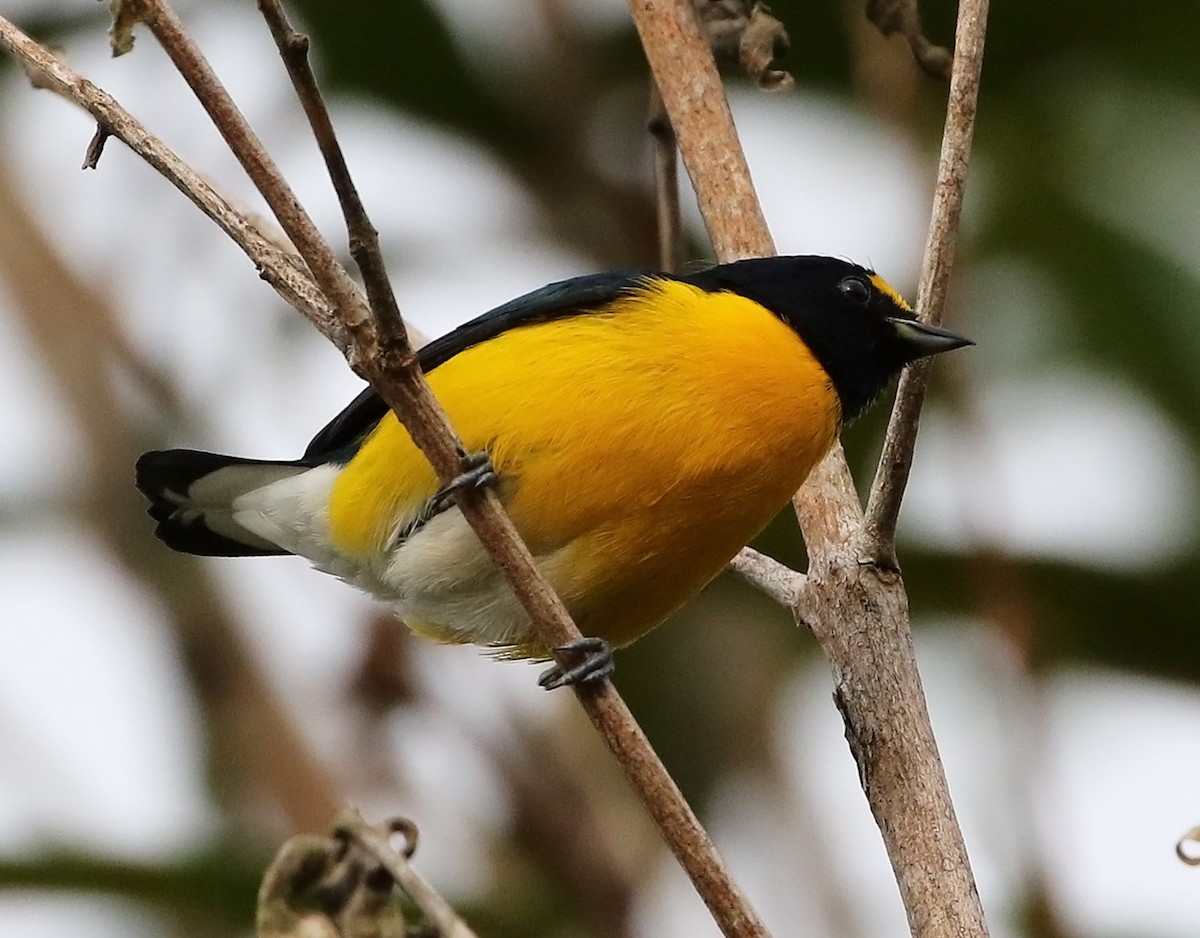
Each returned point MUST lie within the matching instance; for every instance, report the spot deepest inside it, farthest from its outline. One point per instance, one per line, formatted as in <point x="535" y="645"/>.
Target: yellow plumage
<point x="574" y="414"/>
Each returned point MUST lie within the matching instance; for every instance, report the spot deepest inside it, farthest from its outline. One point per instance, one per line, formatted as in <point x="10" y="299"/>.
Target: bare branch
<point x="281" y="269"/>
<point x="333" y="280"/>
<point x="777" y="580"/>
<point x="399" y="381"/>
<point x="364" y="239"/>
<point x="883" y="508"/>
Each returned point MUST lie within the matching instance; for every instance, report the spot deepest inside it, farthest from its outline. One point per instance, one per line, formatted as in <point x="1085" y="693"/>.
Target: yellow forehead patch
<point x="887" y="290"/>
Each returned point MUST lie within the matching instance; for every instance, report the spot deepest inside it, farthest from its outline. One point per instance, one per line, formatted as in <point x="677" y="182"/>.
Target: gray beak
<point x="921" y="339"/>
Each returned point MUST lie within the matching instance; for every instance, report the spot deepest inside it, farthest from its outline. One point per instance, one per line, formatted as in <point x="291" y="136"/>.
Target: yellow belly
<point x="639" y="450"/>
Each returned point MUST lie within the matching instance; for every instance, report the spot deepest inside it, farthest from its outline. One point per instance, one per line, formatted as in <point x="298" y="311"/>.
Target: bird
<point x="640" y="428"/>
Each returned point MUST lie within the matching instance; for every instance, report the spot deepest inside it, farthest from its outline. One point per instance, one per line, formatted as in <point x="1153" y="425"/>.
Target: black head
<point x="856" y="325"/>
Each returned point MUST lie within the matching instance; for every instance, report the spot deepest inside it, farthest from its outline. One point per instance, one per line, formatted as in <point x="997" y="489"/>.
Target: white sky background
<point x="101" y="746"/>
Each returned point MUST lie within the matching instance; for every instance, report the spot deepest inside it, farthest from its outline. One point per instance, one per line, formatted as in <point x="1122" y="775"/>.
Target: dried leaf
<point x="764" y="38"/>
<point x="749" y="37"/>
<point x="299" y="865"/>
<point x="902" y="16"/>
<point x="125" y="15"/>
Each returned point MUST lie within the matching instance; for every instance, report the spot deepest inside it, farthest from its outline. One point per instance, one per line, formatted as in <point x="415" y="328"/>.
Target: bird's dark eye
<point x="855" y="289"/>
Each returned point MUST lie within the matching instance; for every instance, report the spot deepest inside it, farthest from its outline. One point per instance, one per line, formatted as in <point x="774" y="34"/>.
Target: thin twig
<point x="883" y="507"/>
<point x="95" y="149"/>
<point x="687" y="79"/>
<point x="331" y="277"/>
<point x="666" y="182"/>
<point x="364" y="238"/>
<point x="777" y="580"/>
<point x="375" y="842"/>
<point x="283" y="270"/>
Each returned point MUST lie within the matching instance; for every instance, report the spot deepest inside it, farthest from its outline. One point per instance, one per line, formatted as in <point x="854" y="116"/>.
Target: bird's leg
<point x="477" y="472"/>
<point x="596" y="663"/>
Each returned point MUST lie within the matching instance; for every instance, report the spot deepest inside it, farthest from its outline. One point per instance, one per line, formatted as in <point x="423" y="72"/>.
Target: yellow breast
<point x="641" y="447"/>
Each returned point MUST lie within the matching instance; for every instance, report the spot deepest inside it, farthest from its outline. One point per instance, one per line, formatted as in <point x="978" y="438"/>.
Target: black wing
<point x="342" y="435"/>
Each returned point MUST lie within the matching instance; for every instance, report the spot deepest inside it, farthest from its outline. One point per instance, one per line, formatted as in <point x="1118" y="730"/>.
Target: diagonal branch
<point x="394" y="372"/>
<point x="329" y="274"/>
<point x="883" y="507"/>
<point x="282" y="269"/>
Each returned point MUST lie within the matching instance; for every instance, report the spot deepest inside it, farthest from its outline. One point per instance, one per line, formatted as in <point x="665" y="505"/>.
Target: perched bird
<point x="639" y="429"/>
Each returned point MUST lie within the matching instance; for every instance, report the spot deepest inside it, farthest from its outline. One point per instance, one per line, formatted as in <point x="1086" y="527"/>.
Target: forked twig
<point x="282" y="270"/>
<point x="857" y="608"/>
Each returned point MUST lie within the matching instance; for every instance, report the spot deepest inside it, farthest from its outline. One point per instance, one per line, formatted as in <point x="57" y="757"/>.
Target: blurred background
<point x="166" y="722"/>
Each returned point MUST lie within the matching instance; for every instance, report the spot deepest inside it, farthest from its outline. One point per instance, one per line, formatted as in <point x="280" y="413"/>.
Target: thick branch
<point x="883" y="508"/>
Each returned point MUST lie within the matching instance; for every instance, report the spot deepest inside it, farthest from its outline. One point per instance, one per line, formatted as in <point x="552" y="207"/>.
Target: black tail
<point x="192" y="497"/>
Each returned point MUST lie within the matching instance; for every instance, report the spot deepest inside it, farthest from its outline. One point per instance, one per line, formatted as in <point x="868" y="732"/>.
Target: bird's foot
<point x="596" y="663"/>
<point x="477" y="473"/>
